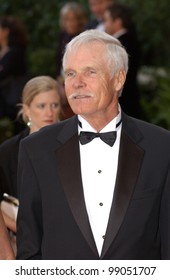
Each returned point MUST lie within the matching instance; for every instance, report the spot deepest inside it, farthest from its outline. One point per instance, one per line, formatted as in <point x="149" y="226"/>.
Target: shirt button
<point x="99" y="171"/>
<point x="101" y="204"/>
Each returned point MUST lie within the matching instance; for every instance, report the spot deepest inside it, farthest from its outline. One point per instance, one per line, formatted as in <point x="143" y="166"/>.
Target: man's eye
<point x="70" y="74"/>
<point x="91" y="72"/>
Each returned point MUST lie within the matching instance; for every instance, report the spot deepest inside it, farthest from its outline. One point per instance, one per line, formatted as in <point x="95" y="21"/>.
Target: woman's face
<point x="71" y="23"/>
<point x="43" y="110"/>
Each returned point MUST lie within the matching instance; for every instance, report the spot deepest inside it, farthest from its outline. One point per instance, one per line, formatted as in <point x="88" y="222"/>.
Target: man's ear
<point x="119" y="80"/>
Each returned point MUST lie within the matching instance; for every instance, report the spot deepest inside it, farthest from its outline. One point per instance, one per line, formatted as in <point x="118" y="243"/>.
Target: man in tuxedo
<point x="95" y="186"/>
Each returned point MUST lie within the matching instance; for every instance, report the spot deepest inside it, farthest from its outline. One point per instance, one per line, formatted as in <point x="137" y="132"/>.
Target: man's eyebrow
<point x="68" y="69"/>
<point x="85" y="68"/>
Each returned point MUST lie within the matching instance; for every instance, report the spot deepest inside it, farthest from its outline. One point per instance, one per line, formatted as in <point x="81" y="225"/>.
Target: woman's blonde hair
<point x="35" y="86"/>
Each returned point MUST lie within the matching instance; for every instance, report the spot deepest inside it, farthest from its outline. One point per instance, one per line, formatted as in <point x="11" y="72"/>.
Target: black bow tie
<point x="107" y="137"/>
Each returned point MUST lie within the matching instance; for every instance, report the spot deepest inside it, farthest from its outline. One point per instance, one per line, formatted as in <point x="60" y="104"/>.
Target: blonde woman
<point x="40" y="107"/>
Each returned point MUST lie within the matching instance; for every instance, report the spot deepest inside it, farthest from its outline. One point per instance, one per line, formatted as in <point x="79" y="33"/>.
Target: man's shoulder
<point x="150" y="127"/>
<point x="146" y="130"/>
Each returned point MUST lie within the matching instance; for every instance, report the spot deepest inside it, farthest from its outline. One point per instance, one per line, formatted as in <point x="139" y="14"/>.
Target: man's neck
<point x="98" y="122"/>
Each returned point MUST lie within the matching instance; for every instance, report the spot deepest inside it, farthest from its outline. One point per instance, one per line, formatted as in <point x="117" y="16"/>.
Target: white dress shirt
<point x="100" y="26"/>
<point x="99" y="164"/>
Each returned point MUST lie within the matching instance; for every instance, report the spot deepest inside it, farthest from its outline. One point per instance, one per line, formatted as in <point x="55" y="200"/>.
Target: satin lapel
<point x="70" y="174"/>
<point x="130" y="161"/>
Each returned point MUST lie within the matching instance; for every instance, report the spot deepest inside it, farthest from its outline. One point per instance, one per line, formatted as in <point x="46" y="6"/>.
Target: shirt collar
<point x="120" y="33"/>
<point x="111" y="126"/>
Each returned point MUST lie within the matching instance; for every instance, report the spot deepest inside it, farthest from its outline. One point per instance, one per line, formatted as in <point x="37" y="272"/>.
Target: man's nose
<point x="79" y="81"/>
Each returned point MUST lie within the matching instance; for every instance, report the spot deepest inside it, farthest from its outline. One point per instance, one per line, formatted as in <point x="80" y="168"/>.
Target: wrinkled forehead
<point x="91" y="47"/>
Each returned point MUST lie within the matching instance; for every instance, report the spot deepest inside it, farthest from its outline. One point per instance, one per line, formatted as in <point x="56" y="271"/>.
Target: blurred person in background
<point x="40" y="107"/>
<point x="72" y="21"/>
<point x="118" y="23"/>
<point x="13" y="70"/>
<point x="97" y="8"/>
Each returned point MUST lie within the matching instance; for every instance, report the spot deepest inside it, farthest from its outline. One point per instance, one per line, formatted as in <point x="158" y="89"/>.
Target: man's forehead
<point x="85" y="66"/>
<point x="81" y="53"/>
<point x="85" y="56"/>
<point x="89" y="46"/>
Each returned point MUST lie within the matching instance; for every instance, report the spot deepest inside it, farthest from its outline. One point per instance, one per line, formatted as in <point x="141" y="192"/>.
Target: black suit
<point x="53" y="221"/>
<point x="9" y="164"/>
<point x="93" y="23"/>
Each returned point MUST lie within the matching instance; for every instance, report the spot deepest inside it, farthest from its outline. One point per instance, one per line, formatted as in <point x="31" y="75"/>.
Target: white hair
<point x="116" y="55"/>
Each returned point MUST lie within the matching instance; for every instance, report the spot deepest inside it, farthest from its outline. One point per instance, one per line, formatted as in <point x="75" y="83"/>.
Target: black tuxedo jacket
<point x="53" y="221"/>
<point x="92" y="24"/>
